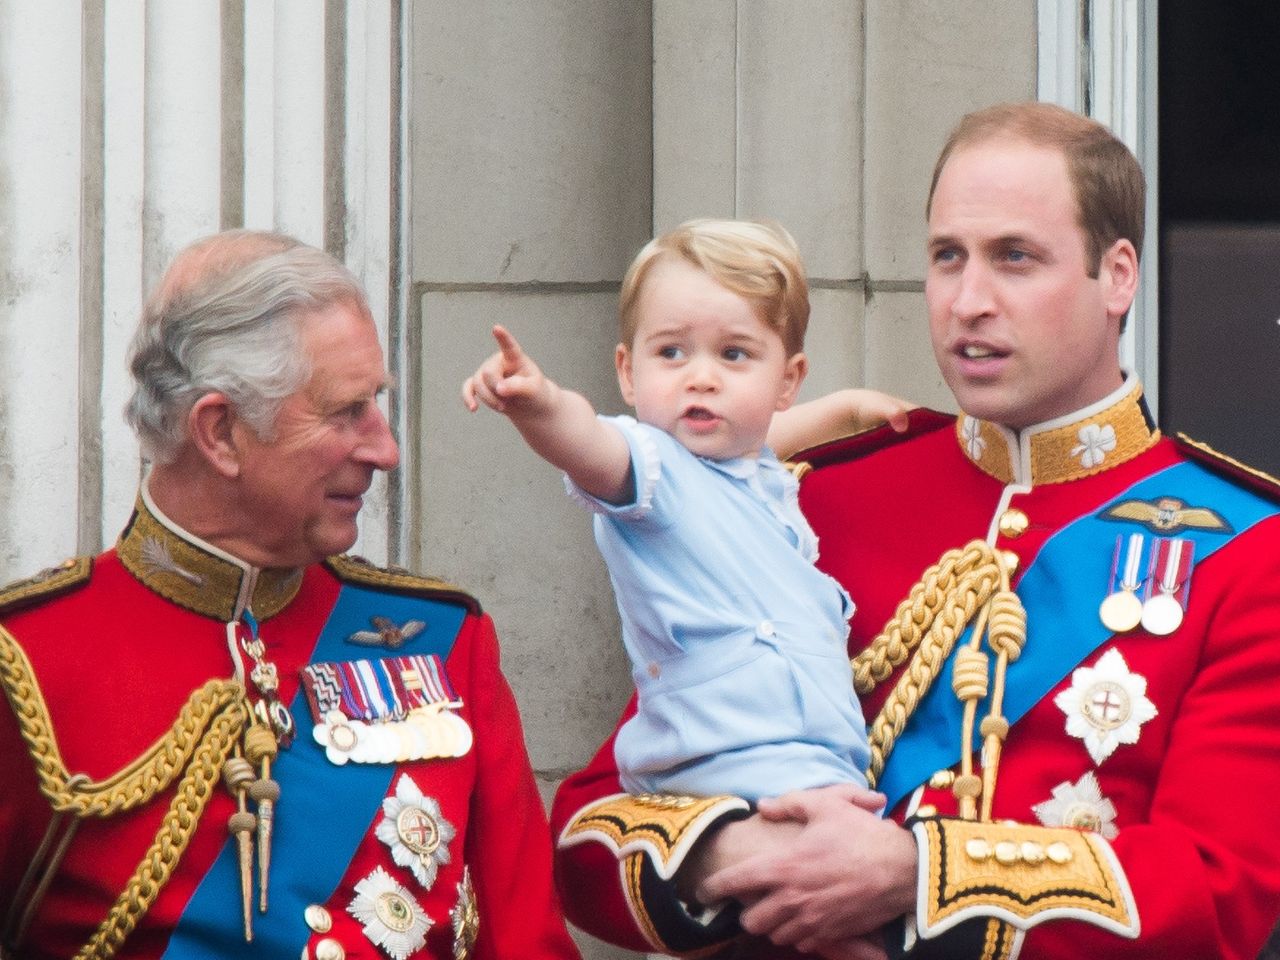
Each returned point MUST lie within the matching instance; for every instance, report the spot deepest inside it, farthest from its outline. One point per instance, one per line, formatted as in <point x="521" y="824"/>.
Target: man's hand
<point x="509" y="381"/>
<point x="818" y="870"/>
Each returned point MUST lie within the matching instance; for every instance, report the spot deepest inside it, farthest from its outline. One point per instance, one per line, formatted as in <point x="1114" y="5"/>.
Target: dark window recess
<point x="1219" y="96"/>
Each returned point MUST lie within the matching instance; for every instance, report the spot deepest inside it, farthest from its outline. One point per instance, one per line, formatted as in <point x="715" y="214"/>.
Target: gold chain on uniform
<point x="967" y="583"/>
<point x="197" y="747"/>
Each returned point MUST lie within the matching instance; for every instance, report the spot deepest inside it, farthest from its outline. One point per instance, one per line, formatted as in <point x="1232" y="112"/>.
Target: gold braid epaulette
<point x="352" y="569"/>
<point x="46" y="584"/>
<point x="929" y="620"/>
<point x="195" y="749"/>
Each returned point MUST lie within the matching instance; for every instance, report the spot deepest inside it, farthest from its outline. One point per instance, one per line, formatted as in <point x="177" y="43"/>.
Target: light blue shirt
<point x="737" y="641"/>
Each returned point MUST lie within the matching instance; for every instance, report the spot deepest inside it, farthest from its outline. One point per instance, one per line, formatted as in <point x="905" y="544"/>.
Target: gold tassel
<point x="260" y="747"/>
<point x="238" y="774"/>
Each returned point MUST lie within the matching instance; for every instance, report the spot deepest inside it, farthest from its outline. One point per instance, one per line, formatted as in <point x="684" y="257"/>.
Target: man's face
<point x="303" y="489"/>
<point x="1021" y="332"/>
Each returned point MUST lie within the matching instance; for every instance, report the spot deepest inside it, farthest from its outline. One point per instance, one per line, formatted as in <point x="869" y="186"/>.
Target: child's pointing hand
<point x="508" y="378"/>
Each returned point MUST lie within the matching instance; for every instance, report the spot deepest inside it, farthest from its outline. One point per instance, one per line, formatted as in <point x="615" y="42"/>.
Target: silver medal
<point x="1162" y="614"/>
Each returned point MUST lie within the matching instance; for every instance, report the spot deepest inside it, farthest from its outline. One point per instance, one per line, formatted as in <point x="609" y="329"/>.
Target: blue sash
<point x="324" y="810"/>
<point x="1063" y="627"/>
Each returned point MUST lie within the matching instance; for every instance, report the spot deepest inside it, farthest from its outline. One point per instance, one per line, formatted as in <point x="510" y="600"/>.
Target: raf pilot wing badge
<point x="1166" y="516"/>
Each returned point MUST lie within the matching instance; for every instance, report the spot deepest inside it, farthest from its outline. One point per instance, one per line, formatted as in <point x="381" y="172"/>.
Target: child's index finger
<point x="512" y="354"/>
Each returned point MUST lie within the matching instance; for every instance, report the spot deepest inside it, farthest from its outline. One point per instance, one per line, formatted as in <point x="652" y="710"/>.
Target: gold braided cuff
<point x="651" y="834"/>
<point x="663" y="827"/>
<point x="1018" y="873"/>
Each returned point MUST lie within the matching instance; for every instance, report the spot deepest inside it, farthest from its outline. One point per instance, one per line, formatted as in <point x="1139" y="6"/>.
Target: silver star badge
<point x="392" y="919"/>
<point x="416" y="831"/>
<point x="1079" y="805"/>
<point x="1106" y="705"/>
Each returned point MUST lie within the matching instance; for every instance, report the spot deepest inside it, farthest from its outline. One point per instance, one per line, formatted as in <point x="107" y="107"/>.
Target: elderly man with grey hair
<point x="227" y="739"/>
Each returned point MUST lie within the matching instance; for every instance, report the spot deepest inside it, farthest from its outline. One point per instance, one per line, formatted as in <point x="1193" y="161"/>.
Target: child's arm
<point x="836" y="415"/>
<point x="558" y="424"/>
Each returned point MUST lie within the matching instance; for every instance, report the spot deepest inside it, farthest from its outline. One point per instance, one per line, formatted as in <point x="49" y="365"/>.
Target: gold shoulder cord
<point x="195" y="749"/>
<point x="1010" y="876"/>
<point x="966" y="585"/>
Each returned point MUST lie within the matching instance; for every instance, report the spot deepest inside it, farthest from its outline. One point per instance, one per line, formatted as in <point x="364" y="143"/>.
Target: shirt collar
<point x="186" y="570"/>
<point x="1100" y="436"/>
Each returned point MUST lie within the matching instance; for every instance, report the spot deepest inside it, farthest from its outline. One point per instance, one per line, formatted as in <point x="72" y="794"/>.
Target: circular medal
<point x="342" y="736"/>
<point x="384" y="744"/>
<point x="394" y="909"/>
<point x="444" y="735"/>
<point x="418" y="831"/>
<point x="408" y="746"/>
<point x="1162" y="614"/>
<point x="1121" y="612"/>
<point x="421" y="749"/>
<point x="432" y="735"/>
<point x="463" y="738"/>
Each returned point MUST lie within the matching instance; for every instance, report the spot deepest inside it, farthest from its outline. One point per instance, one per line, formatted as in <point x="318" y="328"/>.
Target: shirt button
<point x="654" y="670"/>
<point x="1013" y="523"/>
<point x="766" y="628"/>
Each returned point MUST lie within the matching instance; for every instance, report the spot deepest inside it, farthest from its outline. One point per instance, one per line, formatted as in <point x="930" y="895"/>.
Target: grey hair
<point x="225" y="319"/>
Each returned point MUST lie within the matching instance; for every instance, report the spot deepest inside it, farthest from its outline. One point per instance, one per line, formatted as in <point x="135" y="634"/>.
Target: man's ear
<point x="792" y="377"/>
<point x="1118" y="272"/>
<point x="212" y="430"/>
<point x="622" y="361"/>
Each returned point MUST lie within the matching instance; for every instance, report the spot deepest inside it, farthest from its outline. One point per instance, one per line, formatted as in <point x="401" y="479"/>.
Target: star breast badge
<point x="1079" y="805"/>
<point x="466" y="918"/>
<point x="392" y="918"/>
<point x="1106" y="705"/>
<point x="416" y="831"/>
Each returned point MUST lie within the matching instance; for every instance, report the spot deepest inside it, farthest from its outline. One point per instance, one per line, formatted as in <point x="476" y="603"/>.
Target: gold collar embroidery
<point x="1089" y="441"/>
<point x="196" y="575"/>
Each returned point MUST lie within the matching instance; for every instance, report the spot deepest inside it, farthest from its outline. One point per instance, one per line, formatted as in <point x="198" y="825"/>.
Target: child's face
<point x="703" y="366"/>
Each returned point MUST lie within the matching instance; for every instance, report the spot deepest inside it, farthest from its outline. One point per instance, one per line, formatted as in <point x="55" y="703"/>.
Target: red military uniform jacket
<point x="1137" y="764"/>
<point x="439" y="850"/>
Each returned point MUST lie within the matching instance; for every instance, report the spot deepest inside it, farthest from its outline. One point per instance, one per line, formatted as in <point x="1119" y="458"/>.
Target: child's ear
<point x="792" y="377"/>
<point x="622" y="361"/>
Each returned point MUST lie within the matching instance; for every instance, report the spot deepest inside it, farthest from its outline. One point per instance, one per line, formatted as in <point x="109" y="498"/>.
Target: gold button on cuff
<point x="1032" y="852"/>
<point x="977" y="849"/>
<point x="926" y="810"/>
<point x="942" y="779"/>
<point x="330" y="949"/>
<point x="1013" y="523"/>
<point x="1007" y="852"/>
<point x="318" y="918"/>
<point x="1058" y="852"/>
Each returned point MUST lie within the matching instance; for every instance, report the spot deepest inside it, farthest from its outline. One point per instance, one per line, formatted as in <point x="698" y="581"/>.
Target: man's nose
<point x="974" y="296"/>
<point x="378" y="447"/>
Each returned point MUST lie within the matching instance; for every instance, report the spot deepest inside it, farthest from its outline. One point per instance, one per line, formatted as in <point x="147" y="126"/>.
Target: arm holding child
<point x="558" y="424"/>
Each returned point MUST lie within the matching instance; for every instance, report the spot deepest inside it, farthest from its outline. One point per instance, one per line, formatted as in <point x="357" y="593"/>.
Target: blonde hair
<point x="757" y="260"/>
